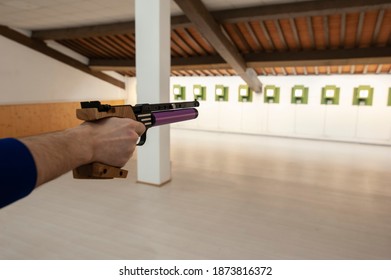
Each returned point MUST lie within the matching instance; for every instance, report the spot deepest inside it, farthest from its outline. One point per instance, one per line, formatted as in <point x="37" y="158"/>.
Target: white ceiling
<point x="41" y="14"/>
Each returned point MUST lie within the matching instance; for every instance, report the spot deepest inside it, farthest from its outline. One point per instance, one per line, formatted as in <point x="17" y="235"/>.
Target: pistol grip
<point x="98" y="170"/>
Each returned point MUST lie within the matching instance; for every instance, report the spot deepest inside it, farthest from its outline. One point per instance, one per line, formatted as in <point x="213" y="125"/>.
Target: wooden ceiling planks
<point x="386" y="69"/>
<point x="73" y="45"/>
<point x="125" y="43"/>
<point x="384" y="36"/>
<point x="262" y="35"/>
<point x="290" y="34"/>
<point x="335" y="31"/>
<point x="275" y="35"/>
<point x="237" y="37"/>
<point x="303" y="38"/>
<point x="176" y="50"/>
<point x="300" y="70"/>
<point x="305" y="33"/>
<point x="359" y="69"/>
<point x="117" y="50"/>
<point x="201" y="41"/>
<point x="368" y="28"/>
<point x="190" y="42"/>
<point x="181" y="43"/>
<point x="333" y="69"/>
<point x="319" y="34"/>
<point x="248" y="34"/>
<point x="95" y="46"/>
<point x="365" y="28"/>
<point x="372" y="68"/>
<point x="323" y="70"/>
<point x="311" y="70"/>
<point x="352" y="20"/>
<point x="279" y="71"/>
<point x="198" y="14"/>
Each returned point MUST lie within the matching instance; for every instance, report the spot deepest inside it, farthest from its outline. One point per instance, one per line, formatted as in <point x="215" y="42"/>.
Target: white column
<point x="153" y="78"/>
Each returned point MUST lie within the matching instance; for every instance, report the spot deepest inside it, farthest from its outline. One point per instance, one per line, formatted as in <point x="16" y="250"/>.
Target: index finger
<point x="139" y="128"/>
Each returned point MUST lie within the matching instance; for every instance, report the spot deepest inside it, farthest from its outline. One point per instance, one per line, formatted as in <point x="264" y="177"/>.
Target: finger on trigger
<point x="140" y="128"/>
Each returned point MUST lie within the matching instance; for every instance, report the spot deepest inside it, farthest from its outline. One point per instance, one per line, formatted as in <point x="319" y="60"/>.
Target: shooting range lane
<point x="231" y="197"/>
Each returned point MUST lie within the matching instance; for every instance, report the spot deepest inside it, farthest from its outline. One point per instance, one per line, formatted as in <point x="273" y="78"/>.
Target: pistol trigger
<point x="142" y="139"/>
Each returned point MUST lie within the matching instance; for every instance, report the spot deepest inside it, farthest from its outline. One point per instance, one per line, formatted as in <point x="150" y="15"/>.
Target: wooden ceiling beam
<point x="296" y="9"/>
<point x="326" y="29"/>
<point x="127" y="27"/>
<point x="260" y="60"/>
<point x="41" y="47"/>
<point x="379" y="22"/>
<point x="321" y="58"/>
<point x="295" y="33"/>
<point x="211" y="30"/>
<point x="359" y="29"/>
<point x="280" y="34"/>
<point x="85" y="31"/>
<point x="177" y="63"/>
<point x="343" y="30"/>
<point x="267" y="35"/>
<point x="311" y="31"/>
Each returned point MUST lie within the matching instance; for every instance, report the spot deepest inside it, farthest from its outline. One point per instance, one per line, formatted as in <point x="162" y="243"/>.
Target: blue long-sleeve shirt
<point x="18" y="173"/>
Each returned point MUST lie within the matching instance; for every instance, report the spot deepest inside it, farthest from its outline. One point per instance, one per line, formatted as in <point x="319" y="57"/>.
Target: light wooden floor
<point x="231" y="197"/>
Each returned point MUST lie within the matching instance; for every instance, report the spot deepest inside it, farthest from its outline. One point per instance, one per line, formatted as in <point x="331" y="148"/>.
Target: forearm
<point x="44" y="157"/>
<point x="59" y="152"/>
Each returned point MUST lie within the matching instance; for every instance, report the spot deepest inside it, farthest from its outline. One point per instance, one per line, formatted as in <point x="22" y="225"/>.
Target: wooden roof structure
<point x="302" y="38"/>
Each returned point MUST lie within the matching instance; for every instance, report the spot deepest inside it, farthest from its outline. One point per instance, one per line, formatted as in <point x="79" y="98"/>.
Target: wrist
<point x="81" y="142"/>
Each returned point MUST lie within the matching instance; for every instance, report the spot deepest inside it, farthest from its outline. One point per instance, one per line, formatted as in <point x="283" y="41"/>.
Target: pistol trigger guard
<point x="142" y="140"/>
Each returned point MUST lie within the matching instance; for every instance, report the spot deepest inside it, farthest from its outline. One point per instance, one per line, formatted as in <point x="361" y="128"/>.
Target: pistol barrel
<point x="172" y="116"/>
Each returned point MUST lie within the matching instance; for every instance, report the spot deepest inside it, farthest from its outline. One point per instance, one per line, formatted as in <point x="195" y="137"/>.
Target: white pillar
<point x="153" y="61"/>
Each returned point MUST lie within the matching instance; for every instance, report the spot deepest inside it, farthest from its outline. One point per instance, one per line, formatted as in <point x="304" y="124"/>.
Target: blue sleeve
<point x="18" y="174"/>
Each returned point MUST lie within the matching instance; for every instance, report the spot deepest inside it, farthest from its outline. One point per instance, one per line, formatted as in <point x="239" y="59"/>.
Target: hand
<point x="114" y="140"/>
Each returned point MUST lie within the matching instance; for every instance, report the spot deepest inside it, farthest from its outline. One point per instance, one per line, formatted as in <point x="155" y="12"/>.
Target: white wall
<point x="131" y="91"/>
<point x="343" y="122"/>
<point x="27" y="76"/>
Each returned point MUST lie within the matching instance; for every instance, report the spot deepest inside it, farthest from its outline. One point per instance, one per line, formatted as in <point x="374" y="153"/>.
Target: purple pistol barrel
<point x="172" y="116"/>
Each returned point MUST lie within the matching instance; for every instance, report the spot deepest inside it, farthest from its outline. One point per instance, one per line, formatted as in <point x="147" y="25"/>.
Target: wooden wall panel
<point x="31" y="119"/>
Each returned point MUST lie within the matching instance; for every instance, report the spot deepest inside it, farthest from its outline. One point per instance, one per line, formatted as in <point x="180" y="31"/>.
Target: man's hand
<point x="114" y="140"/>
<point x="111" y="141"/>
